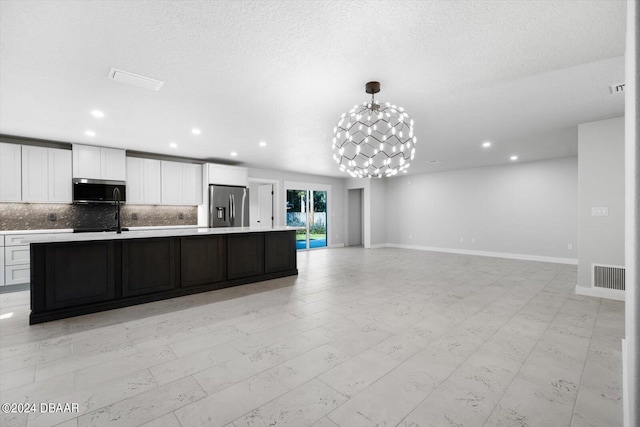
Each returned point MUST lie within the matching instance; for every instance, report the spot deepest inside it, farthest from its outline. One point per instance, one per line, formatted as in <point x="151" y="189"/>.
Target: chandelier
<point x="374" y="140"/>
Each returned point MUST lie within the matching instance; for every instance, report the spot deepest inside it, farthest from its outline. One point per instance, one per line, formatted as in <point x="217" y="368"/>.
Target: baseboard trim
<point x="379" y="246"/>
<point x="524" y="257"/>
<point x="337" y="245"/>
<point x="613" y="294"/>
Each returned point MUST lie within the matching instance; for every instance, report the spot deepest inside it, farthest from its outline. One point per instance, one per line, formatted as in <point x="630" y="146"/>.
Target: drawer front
<point x="17" y="274"/>
<point x="16" y="255"/>
<point x="15" y="239"/>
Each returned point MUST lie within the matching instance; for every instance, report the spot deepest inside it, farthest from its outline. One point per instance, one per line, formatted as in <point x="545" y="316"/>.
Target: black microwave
<point x="98" y="191"/>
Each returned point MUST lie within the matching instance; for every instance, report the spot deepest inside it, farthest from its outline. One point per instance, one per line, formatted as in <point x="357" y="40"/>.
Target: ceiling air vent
<point x="619" y="88"/>
<point x="608" y="277"/>
<point x="135" y="79"/>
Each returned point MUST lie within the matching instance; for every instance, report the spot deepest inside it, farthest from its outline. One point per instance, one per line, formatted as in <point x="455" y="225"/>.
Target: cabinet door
<point x="245" y="255"/>
<point x="10" y="172"/>
<point x="79" y="273"/>
<point x="218" y="174"/>
<point x="135" y="180"/>
<point x="148" y="266"/>
<point x="152" y="187"/>
<point x="237" y="176"/>
<point x="280" y="251"/>
<point x="34" y="174"/>
<point x="191" y="184"/>
<point x="203" y="260"/>
<point x="86" y="162"/>
<point x="113" y="164"/>
<point x="171" y="183"/>
<point x="59" y="175"/>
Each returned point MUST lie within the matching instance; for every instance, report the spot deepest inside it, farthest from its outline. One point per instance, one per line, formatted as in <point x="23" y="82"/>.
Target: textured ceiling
<point x="521" y="74"/>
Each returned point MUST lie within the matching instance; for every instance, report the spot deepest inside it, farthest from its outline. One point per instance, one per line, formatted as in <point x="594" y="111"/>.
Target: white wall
<point x="335" y="205"/>
<point x="601" y="184"/>
<point x="525" y="210"/>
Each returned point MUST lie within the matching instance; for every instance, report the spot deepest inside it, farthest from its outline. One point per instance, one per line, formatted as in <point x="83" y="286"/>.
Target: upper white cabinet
<point x="227" y="175"/>
<point x="98" y="163"/>
<point x="35" y="174"/>
<point x="181" y="183"/>
<point x="143" y="181"/>
<point x="35" y="164"/>
<point x="59" y="171"/>
<point x="191" y="184"/>
<point x="46" y="174"/>
<point x="10" y="172"/>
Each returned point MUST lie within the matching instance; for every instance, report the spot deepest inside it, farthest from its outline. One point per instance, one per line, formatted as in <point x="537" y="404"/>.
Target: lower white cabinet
<point x="17" y="274"/>
<point x="1" y="260"/>
<point x="15" y="258"/>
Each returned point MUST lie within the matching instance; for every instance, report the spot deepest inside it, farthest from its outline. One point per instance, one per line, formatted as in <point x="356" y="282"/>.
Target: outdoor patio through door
<point x="308" y="209"/>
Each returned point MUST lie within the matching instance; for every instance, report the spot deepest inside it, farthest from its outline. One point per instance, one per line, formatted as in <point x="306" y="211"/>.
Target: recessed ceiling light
<point x="173" y="145"/>
<point x="90" y="133"/>
<point x="263" y="144"/>
<point x="513" y="158"/>
<point x="486" y="144"/>
<point x="195" y="131"/>
<point x="233" y="154"/>
<point x="97" y="113"/>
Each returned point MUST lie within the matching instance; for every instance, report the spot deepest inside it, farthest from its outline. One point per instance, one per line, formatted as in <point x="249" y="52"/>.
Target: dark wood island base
<point x="72" y="278"/>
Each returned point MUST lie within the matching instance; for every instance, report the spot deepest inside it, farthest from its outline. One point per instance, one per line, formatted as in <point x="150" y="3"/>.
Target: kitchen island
<point x="75" y="274"/>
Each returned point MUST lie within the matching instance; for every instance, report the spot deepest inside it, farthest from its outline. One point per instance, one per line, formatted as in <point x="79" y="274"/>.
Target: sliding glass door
<point x="308" y="209"/>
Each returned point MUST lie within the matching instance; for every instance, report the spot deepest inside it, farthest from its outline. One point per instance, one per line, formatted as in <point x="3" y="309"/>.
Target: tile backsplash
<point x="44" y="216"/>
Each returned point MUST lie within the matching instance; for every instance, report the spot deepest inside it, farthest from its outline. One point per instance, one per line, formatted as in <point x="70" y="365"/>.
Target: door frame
<point x="274" y="197"/>
<point x="310" y="186"/>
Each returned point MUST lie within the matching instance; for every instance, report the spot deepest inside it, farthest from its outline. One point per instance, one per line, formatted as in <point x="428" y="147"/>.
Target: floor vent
<point x="608" y="277"/>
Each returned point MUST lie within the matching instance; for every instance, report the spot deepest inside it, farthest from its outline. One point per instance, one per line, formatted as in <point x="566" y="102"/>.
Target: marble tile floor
<point x="385" y="337"/>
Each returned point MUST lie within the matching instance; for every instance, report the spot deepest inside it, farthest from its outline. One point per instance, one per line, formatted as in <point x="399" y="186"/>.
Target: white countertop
<point x="57" y="230"/>
<point x="141" y="234"/>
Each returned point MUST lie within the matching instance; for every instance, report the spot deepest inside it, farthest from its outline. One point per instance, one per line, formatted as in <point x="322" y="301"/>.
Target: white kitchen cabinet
<point x="99" y="163"/>
<point x="113" y="164"/>
<point x="191" y="184"/>
<point x="86" y="162"/>
<point x="10" y="172"/>
<point x="46" y="175"/>
<point x="171" y="183"/>
<point x="59" y="172"/>
<point x="15" y="257"/>
<point x="227" y="175"/>
<point x="34" y="174"/>
<point x="181" y="183"/>
<point x="17" y="274"/>
<point x="143" y="181"/>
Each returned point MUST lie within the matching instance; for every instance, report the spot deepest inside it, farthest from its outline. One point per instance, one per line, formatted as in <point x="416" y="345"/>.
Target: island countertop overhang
<point x="145" y="234"/>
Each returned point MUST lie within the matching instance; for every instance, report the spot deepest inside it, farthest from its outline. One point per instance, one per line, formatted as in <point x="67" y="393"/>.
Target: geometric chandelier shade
<point x="374" y="140"/>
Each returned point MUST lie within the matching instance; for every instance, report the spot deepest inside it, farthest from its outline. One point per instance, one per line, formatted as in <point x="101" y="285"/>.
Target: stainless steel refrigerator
<point x="228" y="206"/>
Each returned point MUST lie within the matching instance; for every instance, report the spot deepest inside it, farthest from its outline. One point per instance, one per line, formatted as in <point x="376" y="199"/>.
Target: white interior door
<point x="265" y="202"/>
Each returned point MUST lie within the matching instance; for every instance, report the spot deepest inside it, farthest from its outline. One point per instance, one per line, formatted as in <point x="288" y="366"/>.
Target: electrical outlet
<point x="180" y="215"/>
<point x="570" y="246"/>
<point x="134" y="216"/>
<point x="52" y="217"/>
